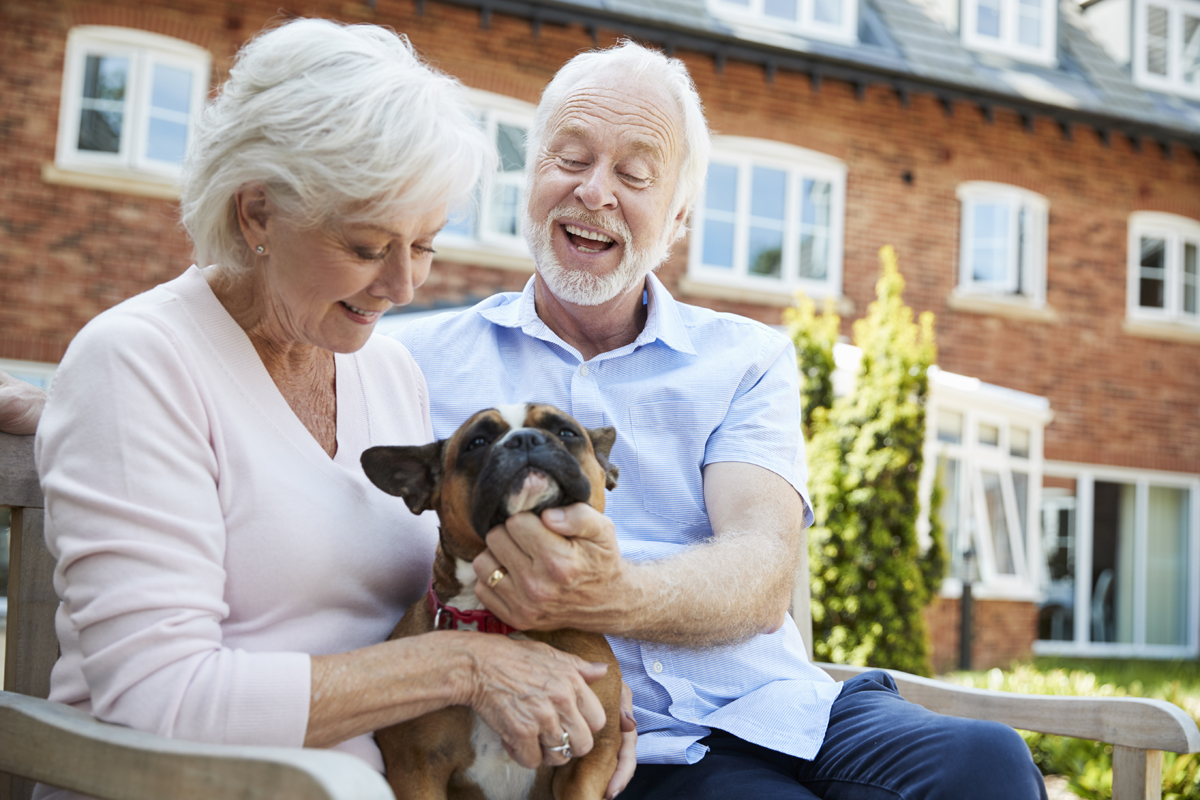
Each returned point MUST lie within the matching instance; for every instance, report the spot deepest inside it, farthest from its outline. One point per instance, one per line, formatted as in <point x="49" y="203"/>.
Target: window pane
<point x="166" y="141"/>
<point x="510" y="141"/>
<point x="1191" y="49"/>
<point x="768" y="189"/>
<point x="1153" y="273"/>
<point x="989" y="435"/>
<point x="987" y="19"/>
<point x="782" y="9"/>
<point x="766" y="251"/>
<point x="950" y="426"/>
<point x="720" y="193"/>
<point x="947" y="476"/>
<point x="989" y="250"/>
<point x="460" y="220"/>
<point x="171" y="89"/>
<point x="1018" y="442"/>
<point x="718" y="244"/>
<point x="1190" y="281"/>
<point x="1056" y="618"/>
<point x="103" y="104"/>
<point x="1111" y="613"/>
<point x="998" y="519"/>
<point x="505" y="207"/>
<point x="1156" y="40"/>
<point x="1029" y="24"/>
<point x="828" y="11"/>
<point x="1166" y="568"/>
<point x="814" y="229"/>
<point x="1021" y="492"/>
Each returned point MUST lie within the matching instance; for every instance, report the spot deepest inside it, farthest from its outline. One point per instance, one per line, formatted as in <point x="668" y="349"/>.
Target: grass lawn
<point x="1088" y="765"/>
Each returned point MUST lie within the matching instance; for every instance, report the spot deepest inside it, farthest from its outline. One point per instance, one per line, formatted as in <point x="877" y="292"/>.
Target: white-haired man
<point x="690" y="572"/>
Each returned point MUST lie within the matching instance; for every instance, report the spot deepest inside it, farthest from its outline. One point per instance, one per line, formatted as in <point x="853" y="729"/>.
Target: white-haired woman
<point x="226" y="571"/>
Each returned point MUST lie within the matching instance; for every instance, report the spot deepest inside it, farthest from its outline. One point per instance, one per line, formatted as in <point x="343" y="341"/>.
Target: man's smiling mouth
<point x="588" y="241"/>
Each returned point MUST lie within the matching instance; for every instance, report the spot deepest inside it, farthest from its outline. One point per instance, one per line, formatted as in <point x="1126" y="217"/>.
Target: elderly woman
<point x="227" y="573"/>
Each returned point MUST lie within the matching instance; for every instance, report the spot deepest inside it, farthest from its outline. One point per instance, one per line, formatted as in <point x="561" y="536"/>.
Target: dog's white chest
<point x="496" y="774"/>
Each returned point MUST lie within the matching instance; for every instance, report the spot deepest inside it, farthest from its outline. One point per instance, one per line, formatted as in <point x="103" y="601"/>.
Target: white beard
<point x="583" y="288"/>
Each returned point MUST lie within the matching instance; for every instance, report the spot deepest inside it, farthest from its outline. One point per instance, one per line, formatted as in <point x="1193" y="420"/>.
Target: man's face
<point x="599" y="216"/>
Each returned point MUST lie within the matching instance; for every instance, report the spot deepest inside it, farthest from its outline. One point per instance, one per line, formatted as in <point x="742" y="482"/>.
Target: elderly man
<point x="690" y="572"/>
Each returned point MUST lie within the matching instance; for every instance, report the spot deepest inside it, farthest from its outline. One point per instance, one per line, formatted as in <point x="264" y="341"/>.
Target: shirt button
<point x="583" y="370"/>
<point x="657" y="667"/>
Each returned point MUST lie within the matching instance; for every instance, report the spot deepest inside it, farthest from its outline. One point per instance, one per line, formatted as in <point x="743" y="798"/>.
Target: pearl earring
<point x="260" y="249"/>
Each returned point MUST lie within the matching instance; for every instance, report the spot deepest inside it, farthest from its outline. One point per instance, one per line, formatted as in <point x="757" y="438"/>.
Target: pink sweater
<point x="206" y="545"/>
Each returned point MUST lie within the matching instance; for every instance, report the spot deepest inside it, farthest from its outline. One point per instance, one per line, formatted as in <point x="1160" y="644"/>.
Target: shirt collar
<point x="663" y="323"/>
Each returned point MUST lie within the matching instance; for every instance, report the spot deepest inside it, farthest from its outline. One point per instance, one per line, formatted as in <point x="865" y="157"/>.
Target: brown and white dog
<point x="501" y="461"/>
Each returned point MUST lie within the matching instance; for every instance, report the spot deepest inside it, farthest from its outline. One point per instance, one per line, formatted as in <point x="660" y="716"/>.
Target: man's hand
<point x="20" y="405"/>
<point x="564" y="570"/>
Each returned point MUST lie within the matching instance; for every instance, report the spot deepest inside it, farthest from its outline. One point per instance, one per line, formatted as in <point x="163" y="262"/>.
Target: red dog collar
<point x="449" y="618"/>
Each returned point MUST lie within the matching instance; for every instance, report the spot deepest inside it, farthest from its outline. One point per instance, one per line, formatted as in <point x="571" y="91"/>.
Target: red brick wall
<point x="1004" y="631"/>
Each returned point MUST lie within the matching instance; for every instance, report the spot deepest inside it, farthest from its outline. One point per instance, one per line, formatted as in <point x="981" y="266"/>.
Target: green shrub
<point x="1087" y="765"/>
<point x="871" y="577"/>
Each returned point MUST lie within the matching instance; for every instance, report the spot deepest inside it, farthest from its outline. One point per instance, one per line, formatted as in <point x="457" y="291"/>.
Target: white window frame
<point x="1173" y="81"/>
<point x="483" y="245"/>
<point x="752" y="13"/>
<point x="1027" y="274"/>
<point x="1007" y="42"/>
<point x="799" y="163"/>
<point x="981" y="403"/>
<point x="144" y="50"/>
<point x="1086" y="476"/>
<point x="1176" y="231"/>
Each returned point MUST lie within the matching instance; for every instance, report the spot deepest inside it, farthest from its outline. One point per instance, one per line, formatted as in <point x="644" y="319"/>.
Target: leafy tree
<point x="871" y="577"/>
<point x="814" y="337"/>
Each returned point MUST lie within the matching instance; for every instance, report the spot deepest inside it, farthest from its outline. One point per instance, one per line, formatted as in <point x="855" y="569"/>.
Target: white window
<point x="983" y="446"/>
<point x="770" y="218"/>
<point x="836" y="20"/>
<point x="490" y="225"/>
<point x="1119" y="565"/>
<point x="1166" y="51"/>
<point x="1163" y="283"/>
<point x="129" y="102"/>
<point x="1003" y="250"/>
<point x="1023" y="29"/>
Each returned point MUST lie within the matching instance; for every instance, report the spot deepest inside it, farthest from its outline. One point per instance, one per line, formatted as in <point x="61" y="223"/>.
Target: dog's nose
<point x="525" y="439"/>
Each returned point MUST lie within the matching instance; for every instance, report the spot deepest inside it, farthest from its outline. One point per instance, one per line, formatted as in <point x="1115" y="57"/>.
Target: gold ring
<point x="496" y="576"/>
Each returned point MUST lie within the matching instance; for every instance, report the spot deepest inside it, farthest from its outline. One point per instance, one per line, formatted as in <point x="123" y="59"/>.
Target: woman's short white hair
<point x="640" y="65"/>
<point x="333" y="121"/>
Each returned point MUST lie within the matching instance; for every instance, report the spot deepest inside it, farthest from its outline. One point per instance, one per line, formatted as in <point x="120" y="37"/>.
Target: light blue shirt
<point x="695" y="387"/>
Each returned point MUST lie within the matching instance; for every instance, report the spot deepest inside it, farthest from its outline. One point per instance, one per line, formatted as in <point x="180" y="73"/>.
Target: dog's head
<point x="500" y="462"/>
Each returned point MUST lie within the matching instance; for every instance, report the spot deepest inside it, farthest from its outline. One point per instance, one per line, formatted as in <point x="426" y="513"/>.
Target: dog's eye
<point x="478" y="441"/>
<point x="567" y="433"/>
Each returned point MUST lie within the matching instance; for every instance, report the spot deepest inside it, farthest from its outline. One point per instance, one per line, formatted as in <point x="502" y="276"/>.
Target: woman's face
<point x="328" y="286"/>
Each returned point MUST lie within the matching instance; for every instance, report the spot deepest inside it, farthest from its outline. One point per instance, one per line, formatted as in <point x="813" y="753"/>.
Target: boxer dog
<point x="500" y="462"/>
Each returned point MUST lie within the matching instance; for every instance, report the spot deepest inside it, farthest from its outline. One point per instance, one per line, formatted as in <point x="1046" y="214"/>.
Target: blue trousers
<point x="878" y="747"/>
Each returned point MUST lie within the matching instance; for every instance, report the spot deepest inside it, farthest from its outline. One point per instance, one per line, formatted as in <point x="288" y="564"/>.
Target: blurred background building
<point x="1036" y="166"/>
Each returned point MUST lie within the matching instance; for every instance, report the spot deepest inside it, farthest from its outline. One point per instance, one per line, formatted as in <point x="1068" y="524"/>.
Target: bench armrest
<point x="59" y="745"/>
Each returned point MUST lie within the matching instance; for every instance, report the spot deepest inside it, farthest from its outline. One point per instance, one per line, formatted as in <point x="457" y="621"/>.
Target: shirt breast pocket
<point x="670" y="438"/>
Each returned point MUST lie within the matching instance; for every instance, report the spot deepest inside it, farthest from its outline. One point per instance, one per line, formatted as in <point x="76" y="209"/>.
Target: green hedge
<point x="1087" y="765"/>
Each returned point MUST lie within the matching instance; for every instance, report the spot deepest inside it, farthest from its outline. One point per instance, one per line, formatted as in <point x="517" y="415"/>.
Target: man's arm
<point x="20" y="405"/>
<point x="565" y="569"/>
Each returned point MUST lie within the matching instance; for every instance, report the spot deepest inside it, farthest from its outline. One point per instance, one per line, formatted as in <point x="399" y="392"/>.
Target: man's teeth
<point x="599" y="237"/>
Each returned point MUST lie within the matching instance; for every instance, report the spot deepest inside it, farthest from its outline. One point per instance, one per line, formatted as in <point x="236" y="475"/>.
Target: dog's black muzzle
<point x="508" y="463"/>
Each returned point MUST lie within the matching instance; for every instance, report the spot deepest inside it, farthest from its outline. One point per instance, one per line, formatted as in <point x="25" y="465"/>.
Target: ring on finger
<point x="564" y="748"/>
<point x="496" y="576"/>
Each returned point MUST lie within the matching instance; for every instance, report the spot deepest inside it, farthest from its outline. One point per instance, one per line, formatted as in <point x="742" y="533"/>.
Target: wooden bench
<point x="53" y="743"/>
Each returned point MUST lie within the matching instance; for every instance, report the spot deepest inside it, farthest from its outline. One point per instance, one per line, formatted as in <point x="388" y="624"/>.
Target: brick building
<point x="1036" y="168"/>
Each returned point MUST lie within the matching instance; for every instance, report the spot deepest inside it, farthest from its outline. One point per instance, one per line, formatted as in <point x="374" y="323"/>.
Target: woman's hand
<point x="627" y="759"/>
<point x="20" y="405"/>
<point x="531" y="694"/>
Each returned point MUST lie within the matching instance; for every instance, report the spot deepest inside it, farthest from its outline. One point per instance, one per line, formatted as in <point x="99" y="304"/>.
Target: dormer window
<point x="1026" y="30"/>
<point x="1167" y="45"/>
<point x="835" y="20"/>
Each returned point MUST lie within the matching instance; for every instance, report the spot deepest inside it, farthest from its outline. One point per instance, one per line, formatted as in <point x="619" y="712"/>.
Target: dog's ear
<point x="603" y="440"/>
<point x="411" y="472"/>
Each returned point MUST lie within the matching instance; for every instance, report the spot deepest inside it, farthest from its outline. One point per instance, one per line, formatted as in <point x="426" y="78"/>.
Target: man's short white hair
<point x="640" y="65"/>
<point x="335" y="122"/>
